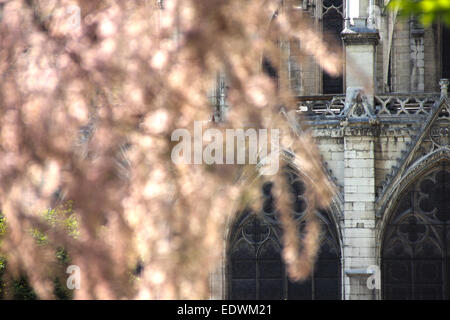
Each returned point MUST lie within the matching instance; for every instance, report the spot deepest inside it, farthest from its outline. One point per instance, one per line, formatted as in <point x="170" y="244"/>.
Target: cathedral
<point x="383" y="130"/>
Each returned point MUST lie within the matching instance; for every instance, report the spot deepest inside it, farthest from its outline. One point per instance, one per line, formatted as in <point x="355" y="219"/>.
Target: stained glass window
<point x="255" y="267"/>
<point x="416" y="247"/>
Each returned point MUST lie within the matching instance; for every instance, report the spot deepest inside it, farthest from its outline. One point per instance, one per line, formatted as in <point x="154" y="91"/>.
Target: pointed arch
<point x="415" y="235"/>
<point x="426" y="163"/>
<point x="254" y="267"/>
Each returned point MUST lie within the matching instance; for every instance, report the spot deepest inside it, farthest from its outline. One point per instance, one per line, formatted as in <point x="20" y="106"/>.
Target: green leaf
<point x="427" y="11"/>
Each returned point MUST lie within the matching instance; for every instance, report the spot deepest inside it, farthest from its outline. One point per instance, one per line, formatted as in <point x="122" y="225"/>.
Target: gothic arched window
<point x="333" y="24"/>
<point x="416" y="246"/>
<point x="255" y="266"/>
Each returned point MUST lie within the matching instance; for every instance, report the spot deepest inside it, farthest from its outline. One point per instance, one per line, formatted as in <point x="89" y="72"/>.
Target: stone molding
<point x="360" y="35"/>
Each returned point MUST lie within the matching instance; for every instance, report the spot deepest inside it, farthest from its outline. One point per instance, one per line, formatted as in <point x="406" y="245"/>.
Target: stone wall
<point x="415" y="57"/>
<point x="362" y="155"/>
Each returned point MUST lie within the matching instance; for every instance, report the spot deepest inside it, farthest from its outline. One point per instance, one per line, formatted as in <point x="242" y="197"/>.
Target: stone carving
<point x="331" y="6"/>
<point x="444" y="87"/>
<point x="440" y="133"/>
<point x="357" y="105"/>
<point x="322" y="106"/>
<point x="404" y="105"/>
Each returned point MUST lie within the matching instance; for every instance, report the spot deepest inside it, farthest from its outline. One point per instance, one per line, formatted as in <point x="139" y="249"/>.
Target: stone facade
<point x="390" y="128"/>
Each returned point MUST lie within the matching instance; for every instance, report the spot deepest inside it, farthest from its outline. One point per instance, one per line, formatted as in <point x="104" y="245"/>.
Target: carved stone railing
<point x="321" y="106"/>
<point x="394" y="105"/>
<point x="405" y="104"/>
